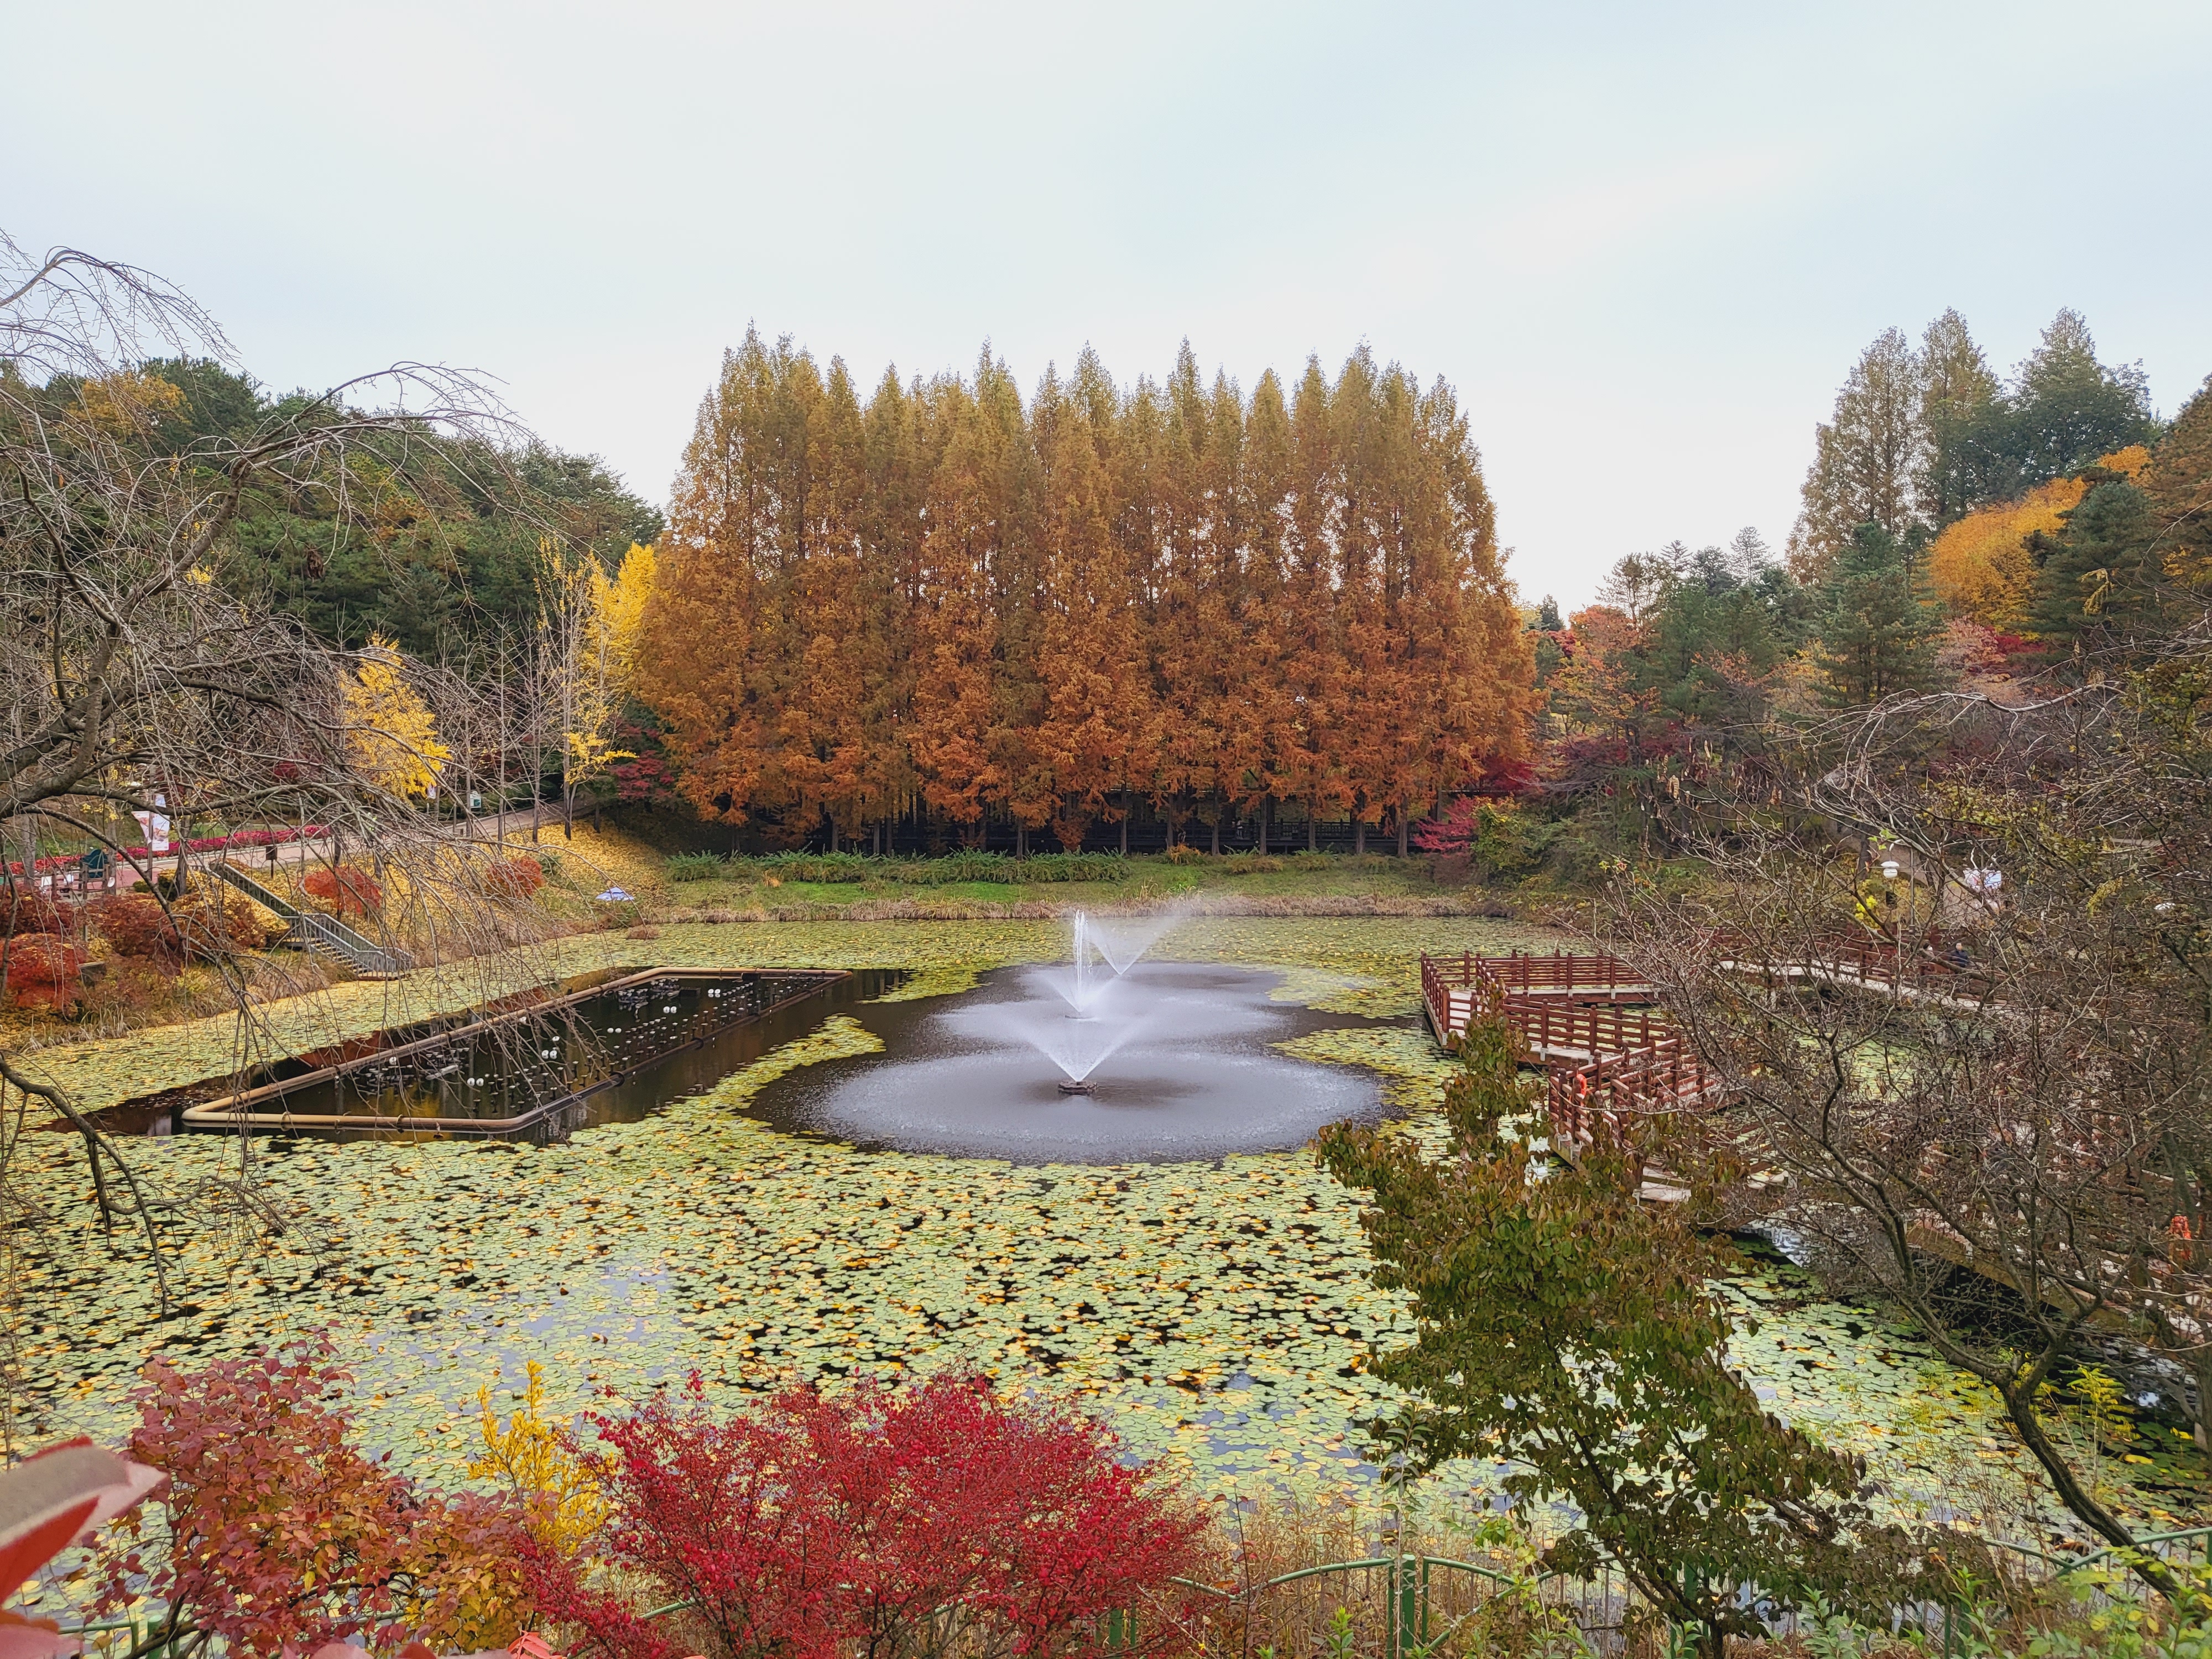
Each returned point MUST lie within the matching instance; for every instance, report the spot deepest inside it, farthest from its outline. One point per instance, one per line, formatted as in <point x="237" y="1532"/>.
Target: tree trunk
<point x="1266" y="809"/>
<point x="1216" y="830"/>
<point x="1313" y="825"/>
<point x="2027" y="1423"/>
<point x="1402" y="829"/>
<point x="1021" y="839"/>
<point x="1359" y="838"/>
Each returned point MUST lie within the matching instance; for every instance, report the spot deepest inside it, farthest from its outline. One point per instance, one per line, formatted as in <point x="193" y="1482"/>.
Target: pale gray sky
<point x="1644" y="241"/>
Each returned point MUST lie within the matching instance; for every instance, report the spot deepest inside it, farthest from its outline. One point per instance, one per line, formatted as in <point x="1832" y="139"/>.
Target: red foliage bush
<point x="281" y="1535"/>
<point x="349" y="890"/>
<point x="25" y="912"/>
<point x="43" y="972"/>
<point x="138" y="926"/>
<point x="516" y="878"/>
<point x="199" y="925"/>
<point x="936" y="1518"/>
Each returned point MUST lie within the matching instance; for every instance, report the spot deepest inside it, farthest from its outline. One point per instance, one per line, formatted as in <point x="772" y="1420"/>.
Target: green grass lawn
<point x="745" y="885"/>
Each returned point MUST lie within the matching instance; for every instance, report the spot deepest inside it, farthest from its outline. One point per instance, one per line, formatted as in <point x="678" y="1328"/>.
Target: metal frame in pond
<point x="241" y="1110"/>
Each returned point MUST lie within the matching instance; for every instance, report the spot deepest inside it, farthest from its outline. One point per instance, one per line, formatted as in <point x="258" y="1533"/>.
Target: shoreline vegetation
<point x="694" y="890"/>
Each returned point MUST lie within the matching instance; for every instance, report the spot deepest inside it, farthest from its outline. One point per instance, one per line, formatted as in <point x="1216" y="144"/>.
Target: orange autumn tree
<point x="950" y="610"/>
<point x="1093" y="741"/>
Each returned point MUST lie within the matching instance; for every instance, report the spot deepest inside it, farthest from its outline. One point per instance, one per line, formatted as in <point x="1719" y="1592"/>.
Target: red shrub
<point x="43" y="972"/>
<point x="281" y="1535"/>
<point x="25" y="912"/>
<point x="201" y="925"/>
<point x="815" y="1526"/>
<point x="136" y="925"/>
<point x="516" y="878"/>
<point x="349" y="890"/>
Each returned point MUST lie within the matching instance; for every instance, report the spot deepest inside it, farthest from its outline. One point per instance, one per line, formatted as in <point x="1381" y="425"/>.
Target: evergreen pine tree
<point x="2178" y="483"/>
<point x="1877" y="628"/>
<point x="2098" y="578"/>
<point x="2067" y="409"/>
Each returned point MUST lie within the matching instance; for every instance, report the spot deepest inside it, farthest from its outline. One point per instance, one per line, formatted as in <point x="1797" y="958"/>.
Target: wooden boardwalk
<point x="1606" y="1053"/>
<point x="1868" y="963"/>
<point x="1609" y="1055"/>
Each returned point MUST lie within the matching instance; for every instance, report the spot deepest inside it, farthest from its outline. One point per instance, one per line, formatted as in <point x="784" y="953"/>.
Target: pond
<point x="606" y="1047"/>
<point x="1216" y="1311"/>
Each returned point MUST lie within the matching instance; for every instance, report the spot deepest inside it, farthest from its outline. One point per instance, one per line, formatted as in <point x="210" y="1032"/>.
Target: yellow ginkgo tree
<point x="562" y="1501"/>
<point x="390" y="731"/>
<point x="589" y="628"/>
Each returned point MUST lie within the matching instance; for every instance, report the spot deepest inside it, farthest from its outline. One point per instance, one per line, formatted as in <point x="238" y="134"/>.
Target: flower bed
<point x="203" y="844"/>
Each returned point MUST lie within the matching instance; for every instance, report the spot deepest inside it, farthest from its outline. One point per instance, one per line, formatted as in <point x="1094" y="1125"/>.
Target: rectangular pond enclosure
<point x="613" y="1049"/>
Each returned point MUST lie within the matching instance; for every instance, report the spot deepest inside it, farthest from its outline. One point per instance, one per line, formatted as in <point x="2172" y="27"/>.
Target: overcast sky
<point x="1644" y="241"/>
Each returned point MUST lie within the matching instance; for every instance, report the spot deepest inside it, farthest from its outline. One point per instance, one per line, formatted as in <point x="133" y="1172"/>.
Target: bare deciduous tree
<point x="138" y="682"/>
<point x="1961" y="1087"/>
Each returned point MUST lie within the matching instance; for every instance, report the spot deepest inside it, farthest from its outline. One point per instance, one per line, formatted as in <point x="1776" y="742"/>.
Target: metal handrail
<point x="366" y="956"/>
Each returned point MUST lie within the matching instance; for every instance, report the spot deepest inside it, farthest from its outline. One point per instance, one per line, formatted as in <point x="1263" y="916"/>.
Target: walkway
<point x="1607" y="1054"/>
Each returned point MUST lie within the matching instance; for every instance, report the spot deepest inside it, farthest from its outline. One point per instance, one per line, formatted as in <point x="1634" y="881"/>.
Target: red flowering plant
<point x="276" y="1535"/>
<point x="931" y="1519"/>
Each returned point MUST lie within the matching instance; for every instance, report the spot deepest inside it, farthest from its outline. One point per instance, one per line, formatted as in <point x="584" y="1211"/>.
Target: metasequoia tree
<point x="947" y="607"/>
<point x="1967" y="1091"/>
<point x="138" y="682"/>
<point x="1958" y="394"/>
<point x="1866" y="457"/>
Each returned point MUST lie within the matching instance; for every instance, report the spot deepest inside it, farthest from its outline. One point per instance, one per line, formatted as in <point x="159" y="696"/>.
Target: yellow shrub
<point x="1980" y="566"/>
<point x="530" y="1457"/>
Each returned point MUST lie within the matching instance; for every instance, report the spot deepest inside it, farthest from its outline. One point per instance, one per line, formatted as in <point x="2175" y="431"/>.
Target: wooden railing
<point x="1484" y="985"/>
<point x="1596" y="1028"/>
<point x="1599" y="977"/>
<point x="1866" y="959"/>
<point x="1606" y="1059"/>
<point x="1603" y="1093"/>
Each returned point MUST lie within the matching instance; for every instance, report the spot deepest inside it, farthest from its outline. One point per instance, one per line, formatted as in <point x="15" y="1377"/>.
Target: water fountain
<point x="1112" y="1055"/>
<point x="1089" y="996"/>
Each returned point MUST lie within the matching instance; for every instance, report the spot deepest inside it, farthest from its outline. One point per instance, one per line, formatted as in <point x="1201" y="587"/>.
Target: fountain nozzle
<point x="1070" y="1085"/>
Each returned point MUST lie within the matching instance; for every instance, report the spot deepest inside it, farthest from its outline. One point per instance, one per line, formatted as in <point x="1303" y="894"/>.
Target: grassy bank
<point x="989" y="886"/>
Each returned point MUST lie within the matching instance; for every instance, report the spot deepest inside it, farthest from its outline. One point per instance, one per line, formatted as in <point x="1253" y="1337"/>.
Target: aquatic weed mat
<point x="1217" y="1314"/>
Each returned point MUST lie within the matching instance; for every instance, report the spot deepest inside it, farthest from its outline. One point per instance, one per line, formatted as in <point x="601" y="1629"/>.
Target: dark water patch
<point x="611" y="1053"/>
